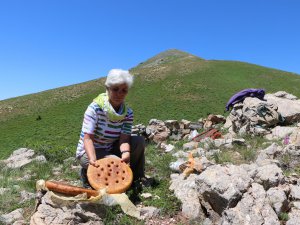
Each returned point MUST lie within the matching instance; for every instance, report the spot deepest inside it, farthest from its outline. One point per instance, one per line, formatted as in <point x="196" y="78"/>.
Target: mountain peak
<point x="166" y="57"/>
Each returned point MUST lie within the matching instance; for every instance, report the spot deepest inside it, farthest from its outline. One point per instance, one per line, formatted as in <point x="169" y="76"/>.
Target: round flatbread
<point x="112" y="174"/>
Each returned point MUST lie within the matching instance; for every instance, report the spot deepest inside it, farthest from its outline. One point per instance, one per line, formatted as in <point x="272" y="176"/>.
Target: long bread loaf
<point x="69" y="189"/>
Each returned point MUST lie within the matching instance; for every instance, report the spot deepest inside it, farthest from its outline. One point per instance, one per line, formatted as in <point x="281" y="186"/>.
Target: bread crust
<point x="112" y="174"/>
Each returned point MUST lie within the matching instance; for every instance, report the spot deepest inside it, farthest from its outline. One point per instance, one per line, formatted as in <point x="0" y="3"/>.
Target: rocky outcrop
<point x="12" y="217"/>
<point x="256" y="193"/>
<point x="288" y="106"/>
<point x="50" y="212"/>
<point x="254" y="208"/>
<point x="223" y="186"/>
<point x="258" y="117"/>
<point x="22" y="157"/>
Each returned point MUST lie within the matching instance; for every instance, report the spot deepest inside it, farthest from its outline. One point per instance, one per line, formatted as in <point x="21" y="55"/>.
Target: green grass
<point x="239" y="154"/>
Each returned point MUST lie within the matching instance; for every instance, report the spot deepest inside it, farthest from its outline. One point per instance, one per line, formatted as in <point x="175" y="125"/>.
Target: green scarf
<point x="102" y="101"/>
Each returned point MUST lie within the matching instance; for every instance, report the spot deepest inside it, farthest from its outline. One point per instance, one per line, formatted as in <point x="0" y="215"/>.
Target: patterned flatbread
<point x="112" y="174"/>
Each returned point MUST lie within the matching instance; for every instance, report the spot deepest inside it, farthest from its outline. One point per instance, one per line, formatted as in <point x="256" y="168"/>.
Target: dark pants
<point x="137" y="156"/>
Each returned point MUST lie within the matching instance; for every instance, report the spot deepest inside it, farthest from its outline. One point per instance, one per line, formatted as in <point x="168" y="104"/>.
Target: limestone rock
<point x="50" y="212"/>
<point x="294" y="217"/>
<point x="253" y="209"/>
<point x="223" y="186"/>
<point x="289" y="109"/>
<point x="22" y="157"/>
<point x="185" y="191"/>
<point x="12" y="216"/>
<point x="278" y="200"/>
<point x="269" y="176"/>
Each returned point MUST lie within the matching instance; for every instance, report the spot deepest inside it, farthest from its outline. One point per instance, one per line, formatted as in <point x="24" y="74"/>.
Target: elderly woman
<point x="106" y="129"/>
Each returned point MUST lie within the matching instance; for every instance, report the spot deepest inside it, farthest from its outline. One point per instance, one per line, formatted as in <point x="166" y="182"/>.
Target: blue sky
<point x="46" y="44"/>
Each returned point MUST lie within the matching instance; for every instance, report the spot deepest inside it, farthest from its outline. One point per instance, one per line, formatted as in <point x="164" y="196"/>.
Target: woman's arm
<point x="125" y="147"/>
<point x="88" y="141"/>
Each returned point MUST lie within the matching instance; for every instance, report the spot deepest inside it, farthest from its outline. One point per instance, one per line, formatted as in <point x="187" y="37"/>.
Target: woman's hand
<point x="125" y="157"/>
<point x="93" y="163"/>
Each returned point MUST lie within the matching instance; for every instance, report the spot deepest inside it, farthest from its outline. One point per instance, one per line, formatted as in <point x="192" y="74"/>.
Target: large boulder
<point x="278" y="200"/>
<point x="252" y="116"/>
<point x="288" y="106"/>
<point x="253" y="209"/>
<point x="269" y="175"/>
<point x="51" y="212"/>
<point x="186" y="191"/>
<point x="223" y="186"/>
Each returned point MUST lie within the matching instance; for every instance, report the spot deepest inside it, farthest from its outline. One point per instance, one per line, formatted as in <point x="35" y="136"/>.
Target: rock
<point x="50" y="212"/>
<point x="251" y="169"/>
<point x="181" y="154"/>
<point x="19" y="158"/>
<point x="283" y="94"/>
<point x="253" y="116"/>
<point x="223" y="186"/>
<point x="19" y="222"/>
<point x="185" y="191"/>
<point x="212" y="120"/>
<point x="278" y="200"/>
<point x="228" y="142"/>
<point x="295" y="137"/>
<point x="253" y="209"/>
<point x="166" y="147"/>
<point x="172" y="125"/>
<point x="174" y="166"/>
<point x="195" y="125"/>
<point x="161" y="136"/>
<point x="3" y="190"/>
<point x="269" y="176"/>
<point x="25" y="196"/>
<point x="289" y="109"/>
<point x="296" y="205"/>
<point x="269" y="153"/>
<point x="12" y="216"/>
<point x="190" y="145"/>
<point x="294" y="217"/>
<point x="280" y="132"/>
<point x="186" y="123"/>
<point x="146" y="195"/>
<point x="40" y="158"/>
<point x="295" y="193"/>
<point x="175" y="137"/>
<point x="138" y="130"/>
<point x="148" y="212"/>
<point x="22" y="157"/>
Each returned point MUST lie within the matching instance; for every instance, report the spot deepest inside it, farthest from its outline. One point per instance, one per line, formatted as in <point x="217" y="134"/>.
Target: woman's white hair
<point x="118" y="76"/>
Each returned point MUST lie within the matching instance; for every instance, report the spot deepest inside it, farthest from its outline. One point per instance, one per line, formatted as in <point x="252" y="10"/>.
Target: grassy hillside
<point x="171" y="85"/>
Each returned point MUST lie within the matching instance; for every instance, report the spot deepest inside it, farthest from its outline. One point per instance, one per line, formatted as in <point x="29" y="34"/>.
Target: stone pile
<point x="160" y="131"/>
<point x="258" y="117"/>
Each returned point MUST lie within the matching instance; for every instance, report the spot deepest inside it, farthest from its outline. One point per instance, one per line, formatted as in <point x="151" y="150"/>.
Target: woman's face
<point x="117" y="94"/>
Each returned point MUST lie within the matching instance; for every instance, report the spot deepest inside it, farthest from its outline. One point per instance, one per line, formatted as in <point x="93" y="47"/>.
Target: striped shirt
<point x="105" y="131"/>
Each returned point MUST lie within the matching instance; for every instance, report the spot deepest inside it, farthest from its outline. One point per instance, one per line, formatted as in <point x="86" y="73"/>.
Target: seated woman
<point x="106" y="128"/>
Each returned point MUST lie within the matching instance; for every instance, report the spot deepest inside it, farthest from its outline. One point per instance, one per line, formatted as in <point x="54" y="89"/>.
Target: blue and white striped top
<point x="105" y="131"/>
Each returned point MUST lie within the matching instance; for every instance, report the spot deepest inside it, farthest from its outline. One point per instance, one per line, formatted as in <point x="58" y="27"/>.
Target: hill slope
<point x="171" y="85"/>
